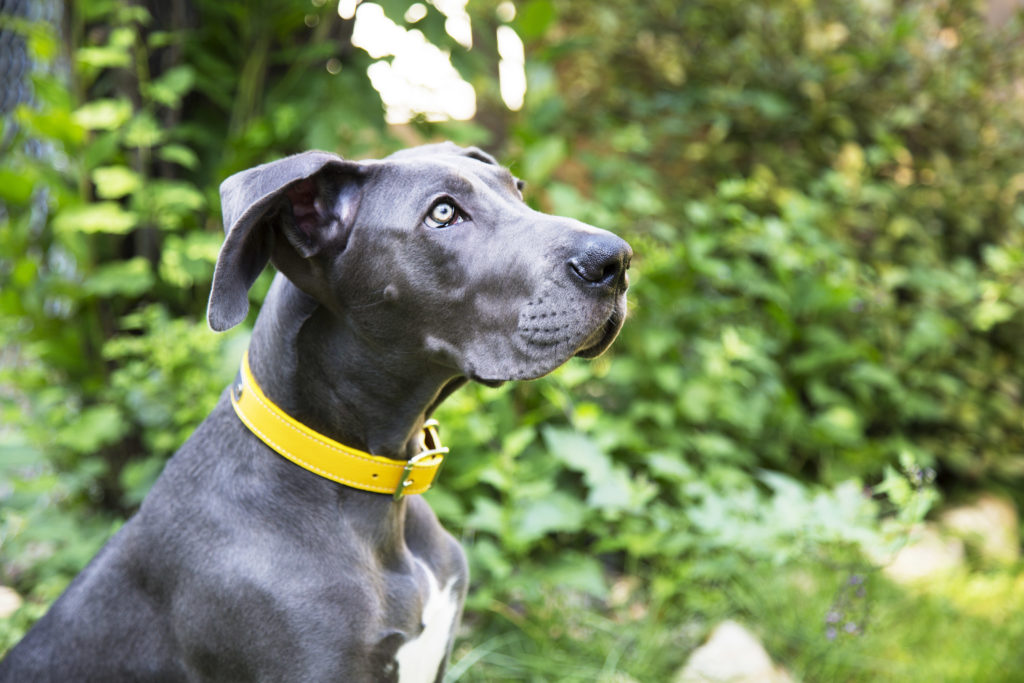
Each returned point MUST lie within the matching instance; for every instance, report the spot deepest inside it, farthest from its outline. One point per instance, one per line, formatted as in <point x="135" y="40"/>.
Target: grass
<point x="962" y="628"/>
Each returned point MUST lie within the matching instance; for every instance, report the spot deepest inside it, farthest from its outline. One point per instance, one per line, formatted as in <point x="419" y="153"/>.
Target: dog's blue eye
<point x="443" y="214"/>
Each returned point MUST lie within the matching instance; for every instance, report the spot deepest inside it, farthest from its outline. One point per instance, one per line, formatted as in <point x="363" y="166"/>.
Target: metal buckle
<point x="433" y="447"/>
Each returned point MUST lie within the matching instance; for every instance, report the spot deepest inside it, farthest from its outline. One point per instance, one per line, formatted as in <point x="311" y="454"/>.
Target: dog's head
<point x="431" y="250"/>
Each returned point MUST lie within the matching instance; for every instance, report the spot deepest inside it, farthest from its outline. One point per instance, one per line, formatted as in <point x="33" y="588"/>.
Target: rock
<point x="990" y="525"/>
<point x="617" y="678"/>
<point x="732" y="654"/>
<point x="999" y="13"/>
<point x="927" y="554"/>
<point x="10" y="601"/>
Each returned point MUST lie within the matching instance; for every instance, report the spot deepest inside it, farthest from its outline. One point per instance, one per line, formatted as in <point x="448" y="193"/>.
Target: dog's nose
<point x="602" y="260"/>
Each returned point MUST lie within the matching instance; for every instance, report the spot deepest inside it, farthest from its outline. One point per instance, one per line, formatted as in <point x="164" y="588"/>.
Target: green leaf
<point x="696" y="400"/>
<point x="643" y="200"/>
<point x="575" y="450"/>
<point x="577" y="572"/>
<point x="138" y="476"/>
<point x="611" y="487"/>
<point x="43" y="42"/>
<point x="445" y="504"/>
<point x="103" y="114"/>
<point x="179" y="154"/>
<point x="102" y="57"/>
<point x="52" y="123"/>
<point x="16" y="452"/>
<point x="172" y="86"/>
<point x="489" y="558"/>
<point x="175" y="196"/>
<point x="106" y="217"/>
<point x="487" y="516"/>
<point x="612" y="491"/>
<point x="93" y="428"/>
<point x="989" y="313"/>
<point x="543" y="157"/>
<point x="128" y="278"/>
<point x="533" y="19"/>
<point x="124" y="36"/>
<point x="670" y="466"/>
<point x="190" y="258"/>
<point x="114" y="182"/>
<point x="566" y="200"/>
<point x="840" y="424"/>
<point x="143" y="131"/>
<point x="557" y="511"/>
<point x="16" y="187"/>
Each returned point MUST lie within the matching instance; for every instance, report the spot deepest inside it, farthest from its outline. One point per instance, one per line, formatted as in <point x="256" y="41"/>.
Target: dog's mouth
<point x="604" y="335"/>
<point x="545" y="339"/>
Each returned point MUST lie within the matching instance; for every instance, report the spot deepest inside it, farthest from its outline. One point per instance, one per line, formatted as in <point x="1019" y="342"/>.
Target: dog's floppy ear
<point x="311" y="196"/>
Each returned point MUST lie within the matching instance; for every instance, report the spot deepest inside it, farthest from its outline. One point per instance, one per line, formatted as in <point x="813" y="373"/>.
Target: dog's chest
<point x="419" y="659"/>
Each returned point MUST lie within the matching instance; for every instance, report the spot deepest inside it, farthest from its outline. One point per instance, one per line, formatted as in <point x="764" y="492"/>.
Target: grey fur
<point x="239" y="565"/>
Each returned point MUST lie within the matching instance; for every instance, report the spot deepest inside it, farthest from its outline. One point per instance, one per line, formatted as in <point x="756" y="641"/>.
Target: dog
<point x="286" y="540"/>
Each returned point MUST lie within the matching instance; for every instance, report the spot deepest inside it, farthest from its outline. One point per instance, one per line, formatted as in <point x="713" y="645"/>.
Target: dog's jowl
<point x="286" y="540"/>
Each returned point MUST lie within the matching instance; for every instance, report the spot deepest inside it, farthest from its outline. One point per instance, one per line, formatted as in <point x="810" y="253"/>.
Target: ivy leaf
<point x="103" y="114"/>
<point x="487" y="516"/>
<point x="106" y="217"/>
<point x="129" y="278"/>
<point x="102" y="57"/>
<point x="16" y="187"/>
<point x="144" y="131"/>
<point x="172" y="86"/>
<point x="179" y="154"/>
<point x="577" y="452"/>
<point x="612" y="492"/>
<point x="114" y="182"/>
<point x="556" y="511"/>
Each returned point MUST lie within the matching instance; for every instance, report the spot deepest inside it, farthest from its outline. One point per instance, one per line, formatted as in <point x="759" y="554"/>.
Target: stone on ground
<point x="732" y="654"/>
<point x="10" y="601"/>
<point x="989" y="525"/>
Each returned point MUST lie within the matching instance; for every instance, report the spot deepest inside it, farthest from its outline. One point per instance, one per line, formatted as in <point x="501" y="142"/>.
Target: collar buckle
<point x="431" y="447"/>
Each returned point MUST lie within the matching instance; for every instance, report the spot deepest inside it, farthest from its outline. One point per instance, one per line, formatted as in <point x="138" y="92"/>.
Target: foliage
<point x="832" y="194"/>
<point x="825" y="203"/>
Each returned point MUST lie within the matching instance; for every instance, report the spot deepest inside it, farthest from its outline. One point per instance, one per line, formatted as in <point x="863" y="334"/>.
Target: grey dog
<point x="398" y="281"/>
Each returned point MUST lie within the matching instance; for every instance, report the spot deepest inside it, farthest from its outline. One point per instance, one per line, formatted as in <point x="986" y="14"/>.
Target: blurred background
<point x="808" y="440"/>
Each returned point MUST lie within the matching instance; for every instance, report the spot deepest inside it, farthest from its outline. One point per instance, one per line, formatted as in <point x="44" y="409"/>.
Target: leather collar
<point x="326" y="457"/>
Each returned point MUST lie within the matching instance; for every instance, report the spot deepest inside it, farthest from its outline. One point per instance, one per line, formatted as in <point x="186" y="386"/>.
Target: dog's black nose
<point x="602" y="260"/>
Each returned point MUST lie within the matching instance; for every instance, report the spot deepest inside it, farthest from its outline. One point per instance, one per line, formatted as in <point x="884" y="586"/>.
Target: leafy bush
<point x="825" y="204"/>
<point x="110" y="232"/>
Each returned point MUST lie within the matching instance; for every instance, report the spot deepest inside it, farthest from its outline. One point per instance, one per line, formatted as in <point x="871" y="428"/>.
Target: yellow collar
<point x="328" y="458"/>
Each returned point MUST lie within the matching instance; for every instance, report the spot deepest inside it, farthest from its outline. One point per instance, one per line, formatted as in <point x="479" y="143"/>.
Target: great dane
<point x="398" y="281"/>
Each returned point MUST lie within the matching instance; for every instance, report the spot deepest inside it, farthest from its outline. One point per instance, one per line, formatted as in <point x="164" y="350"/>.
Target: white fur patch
<point x="419" y="659"/>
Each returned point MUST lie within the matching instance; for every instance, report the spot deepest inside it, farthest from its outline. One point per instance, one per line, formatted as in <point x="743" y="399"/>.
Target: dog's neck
<point x="322" y="372"/>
